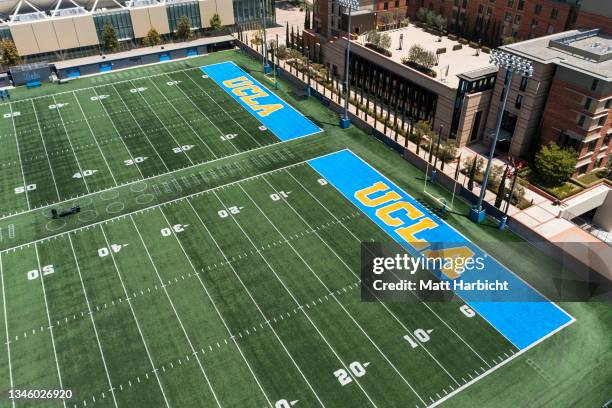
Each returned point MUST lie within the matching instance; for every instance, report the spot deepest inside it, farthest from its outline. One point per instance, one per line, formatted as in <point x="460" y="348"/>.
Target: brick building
<point x="492" y="21"/>
<point x="595" y="13"/>
<point x="567" y="101"/>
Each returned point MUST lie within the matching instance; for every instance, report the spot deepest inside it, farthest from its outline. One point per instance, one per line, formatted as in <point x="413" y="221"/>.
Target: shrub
<point x="486" y="50"/>
<point x="463" y="41"/>
<point x="452" y="37"/>
<point x="555" y="165"/>
<point x="474" y="44"/>
<point x="457" y="47"/>
<point x="421" y="56"/>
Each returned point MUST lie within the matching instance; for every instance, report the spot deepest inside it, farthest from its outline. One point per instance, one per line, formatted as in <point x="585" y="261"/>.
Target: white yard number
<point x="57" y="106"/>
<point x="170" y="83"/>
<point x="358" y="370"/>
<point x="85" y="173"/>
<point x="468" y="311"/>
<point x="283" y="403"/>
<point x="35" y="273"/>
<point x="182" y="148"/>
<point x="281" y="194"/>
<point x="135" y="160"/>
<point x="23" y="189"/>
<point x="139" y="89"/>
<point x="102" y="252"/>
<point x="166" y="232"/>
<point x="322" y="182"/>
<point x="421" y="335"/>
<point x="99" y="97"/>
<point x="229" y="136"/>
<point x="11" y="115"/>
<point x="232" y="210"/>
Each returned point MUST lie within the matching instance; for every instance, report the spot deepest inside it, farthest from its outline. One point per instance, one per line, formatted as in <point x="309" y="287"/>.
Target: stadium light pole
<point x="512" y="64"/>
<point x="350" y="4"/>
<point x="266" y="66"/>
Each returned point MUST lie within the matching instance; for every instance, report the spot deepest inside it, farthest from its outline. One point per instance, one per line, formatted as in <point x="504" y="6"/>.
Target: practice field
<point x="233" y="283"/>
<point x="74" y="143"/>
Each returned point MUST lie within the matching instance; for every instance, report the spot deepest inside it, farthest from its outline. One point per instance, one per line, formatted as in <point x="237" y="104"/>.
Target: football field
<point x="183" y="283"/>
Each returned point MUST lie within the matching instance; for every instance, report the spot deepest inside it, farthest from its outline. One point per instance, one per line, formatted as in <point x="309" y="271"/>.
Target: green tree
<point x="10" y="55"/>
<point x="109" y="37"/>
<point x="555" y="165"/>
<point x="215" y="22"/>
<point x="183" y="29"/>
<point x="152" y="38"/>
<point x="287" y="34"/>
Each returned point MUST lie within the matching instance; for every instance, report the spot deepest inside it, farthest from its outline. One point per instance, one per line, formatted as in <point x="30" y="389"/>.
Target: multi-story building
<point x="595" y="13"/>
<point x="567" y="101"/>
<point x="52" y="30"/>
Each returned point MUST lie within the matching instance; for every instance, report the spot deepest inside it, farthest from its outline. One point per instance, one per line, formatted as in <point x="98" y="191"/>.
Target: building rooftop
<point x="586" y="51"/>
<point x="456" y="62"/>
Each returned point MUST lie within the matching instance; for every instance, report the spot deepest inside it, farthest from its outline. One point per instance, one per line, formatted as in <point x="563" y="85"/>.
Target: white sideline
<point x="8" y="342"/>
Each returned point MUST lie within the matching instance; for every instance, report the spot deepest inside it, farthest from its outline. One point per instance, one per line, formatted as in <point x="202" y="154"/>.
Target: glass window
<point x="524" y="81"/>
<point x="554" y="13"/>
<point x="602" y="121"/>
<point x="385" y="6"/>
<point x="587" y="104"/>
<point x="508" y="16"/>
<point x="519" y="102"/>
<point x="121" y="22"/>
<point x="176" y="11"/>
<point x="521" y="4"/>
<point x="517" y="19"/>
<point x="581" y="120"/>
<point x="594" y="84"/>
<point x="510" y="3"/>
<point x="538" y="9"/>
<point x="592" y="145"/>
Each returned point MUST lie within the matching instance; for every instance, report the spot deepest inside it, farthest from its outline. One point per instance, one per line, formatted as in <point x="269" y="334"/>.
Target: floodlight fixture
<point x="511" y="63"/>
<point x="350" y="5"/>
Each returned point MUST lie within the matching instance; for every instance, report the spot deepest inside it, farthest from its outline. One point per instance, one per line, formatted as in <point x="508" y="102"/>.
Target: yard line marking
<point x="355" y="275"/>
<point x="162" y="122"/>
<point x="94" y="138"/>
<point x="102" y="85"/>
<point x="229" y="332"/>
<point x="183" y="118"/>
<point x="70" y="143"/>
<point x="357" y="239"/>
<point x="257" y="306"/>
<point x="205" y="115"/>
<point x="144" y="209"/>
<point x="140" y="127"/>
<point x="93" y="323"/>
<point x="42" y="283"/>
<point x="8" y="341"/>
<point x="293" y="298"/>
<point x="220" y="107"/>
<point x="175" y="312"/>
<point x="327" y="289"/>
<point x="118" y="134"/>
<point x="20" y="162"/>
<point x="135" y="319"/>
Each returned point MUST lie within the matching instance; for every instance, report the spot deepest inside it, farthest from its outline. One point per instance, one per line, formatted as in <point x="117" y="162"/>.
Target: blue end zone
<point x="523" y="322"/>
<point x="274" y="113"/>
